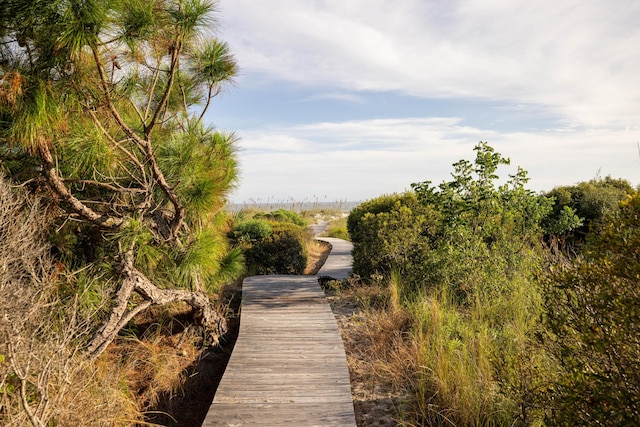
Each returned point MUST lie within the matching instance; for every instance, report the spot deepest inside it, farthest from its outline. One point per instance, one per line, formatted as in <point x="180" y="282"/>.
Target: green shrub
<point x="594" y="312"/>
<point x="391" y="233"/>
<point x="283" y="251"/>
<point x="273" y="242"/>
<point x="283" y="215"/>
<point x="487" y="231"/>
<point x="579" y="208"/>
<point x="252" y="230"/>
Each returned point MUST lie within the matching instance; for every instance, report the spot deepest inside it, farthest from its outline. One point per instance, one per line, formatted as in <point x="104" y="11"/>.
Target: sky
<point x="353" y="99"/>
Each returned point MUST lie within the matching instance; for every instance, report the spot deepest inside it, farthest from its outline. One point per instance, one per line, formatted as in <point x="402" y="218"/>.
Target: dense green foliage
<point x="466" y="260"/>
<point x="580" y="208"/>
<point x="284" y="251"/>
<point x="486" y="230"/>
<point x="273" y="242"/>
<point x="251" y="231"/>
<point x="283" y="215"/>
<point x="441" y="234"/>
<point x="594" y="313"/>
<point x="391" y="233"/>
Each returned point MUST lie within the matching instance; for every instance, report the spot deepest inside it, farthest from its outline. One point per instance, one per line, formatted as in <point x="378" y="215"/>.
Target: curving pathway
<point x="338" y="265"/>
<point x="288" y="367"/>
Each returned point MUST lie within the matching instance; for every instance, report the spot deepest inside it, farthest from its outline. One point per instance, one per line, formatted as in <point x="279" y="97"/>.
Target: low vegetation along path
<point x="288" y="367"/>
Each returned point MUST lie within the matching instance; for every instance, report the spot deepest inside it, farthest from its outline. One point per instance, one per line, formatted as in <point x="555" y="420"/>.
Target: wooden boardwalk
<point x="288" y="367"/>
<point x="338" y="265"/>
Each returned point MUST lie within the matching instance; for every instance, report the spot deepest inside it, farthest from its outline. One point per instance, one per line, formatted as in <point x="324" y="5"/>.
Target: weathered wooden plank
<point x="288" y="367"/>
<point x="270" y="414"/>
<point x="311" y="382"/>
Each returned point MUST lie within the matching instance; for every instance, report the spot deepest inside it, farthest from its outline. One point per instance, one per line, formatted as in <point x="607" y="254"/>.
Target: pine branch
<point x="173" y="68"/>
<point x="144" y="144"/>
<point x="56" y="183"/>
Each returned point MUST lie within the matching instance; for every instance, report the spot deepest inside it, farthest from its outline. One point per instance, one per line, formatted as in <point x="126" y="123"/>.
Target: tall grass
<point x="478" y="362"/>
<point x="337" y="228"/>
<point x="456" y="382"/>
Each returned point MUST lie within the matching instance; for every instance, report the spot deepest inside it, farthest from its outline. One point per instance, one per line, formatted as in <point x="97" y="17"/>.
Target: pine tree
<point x="102" y="106"/>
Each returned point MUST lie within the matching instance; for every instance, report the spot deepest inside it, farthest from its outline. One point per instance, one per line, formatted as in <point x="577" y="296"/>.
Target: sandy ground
<point x="374" y="401"/>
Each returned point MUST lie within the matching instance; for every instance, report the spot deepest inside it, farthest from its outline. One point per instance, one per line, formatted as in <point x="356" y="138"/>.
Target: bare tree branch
<point x="135" y="280"/>
<point x="118" y="189"/>
<point x="138" y="112"/>
<point x="210" y="95"/>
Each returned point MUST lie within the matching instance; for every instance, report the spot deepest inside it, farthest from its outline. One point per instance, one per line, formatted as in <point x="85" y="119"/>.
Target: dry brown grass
<point x="44" y="377"/>
<point x="180" y="395"/>
<point x="317" y="254"/>
<point x="153" y="365"/>
<point x="380" y="357"/>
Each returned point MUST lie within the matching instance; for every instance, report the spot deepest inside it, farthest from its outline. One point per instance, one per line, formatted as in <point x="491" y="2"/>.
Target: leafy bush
<point x="594" y="311"/>
<point x="391" y="233"/>
<point x="579" y="208"/>
<point x="283" y="251"/>
<point x="252" y="230"/>
<point x="273" y="242"/>
<point x="486" y="231"/>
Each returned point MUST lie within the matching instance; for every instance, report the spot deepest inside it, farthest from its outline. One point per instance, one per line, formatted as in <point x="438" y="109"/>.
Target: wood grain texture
<point x="288" y="367"/>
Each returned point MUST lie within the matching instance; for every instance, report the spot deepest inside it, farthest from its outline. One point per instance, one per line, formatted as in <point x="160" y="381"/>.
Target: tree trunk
<point x="205" y="313"/>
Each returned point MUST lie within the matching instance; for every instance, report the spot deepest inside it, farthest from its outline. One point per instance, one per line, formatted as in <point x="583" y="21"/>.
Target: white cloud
<point x="576" y="60"/>
<point x="338" y="96"/>
<point x="358" y="160"/>
<point x="576" y="57"/>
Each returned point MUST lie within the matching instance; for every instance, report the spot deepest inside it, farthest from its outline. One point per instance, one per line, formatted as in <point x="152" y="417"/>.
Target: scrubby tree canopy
<point x="584" y="205"/>
<point x="101" y="109"/>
